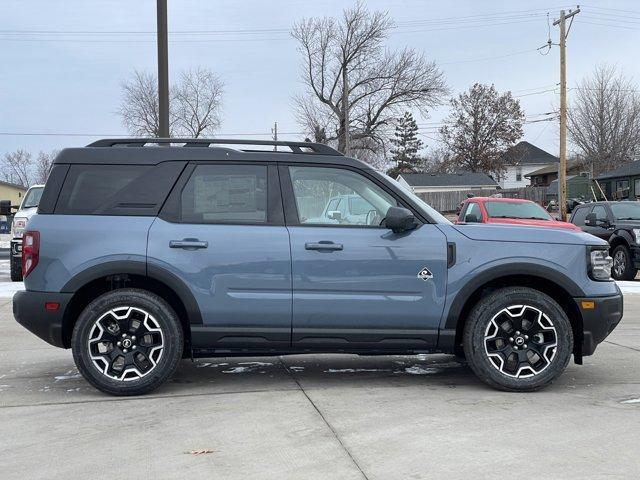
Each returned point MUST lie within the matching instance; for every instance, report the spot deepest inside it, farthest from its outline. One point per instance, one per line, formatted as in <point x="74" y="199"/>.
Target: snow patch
<point x="8" y="289"/>
<point x="418" y="370"/>
<point x="631" y="401"/>
<point x="355" y="370"/>
<point x="629" y="287"/>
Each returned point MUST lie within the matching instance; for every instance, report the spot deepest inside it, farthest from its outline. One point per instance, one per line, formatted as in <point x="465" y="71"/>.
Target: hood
<point x="527" y="234"/>
<point x="26" y="212"/>
<point x="534" y="223"/>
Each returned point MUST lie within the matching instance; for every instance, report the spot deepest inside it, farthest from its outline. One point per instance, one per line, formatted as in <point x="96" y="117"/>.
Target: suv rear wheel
<point x="622" y="266"/>
<point x="518" y="339"/>
<point x="127" y="342"/>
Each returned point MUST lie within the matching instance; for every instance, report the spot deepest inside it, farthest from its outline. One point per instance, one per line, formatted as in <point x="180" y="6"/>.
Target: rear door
<point x="222" y="233"/>
<point x="358" y="285"/>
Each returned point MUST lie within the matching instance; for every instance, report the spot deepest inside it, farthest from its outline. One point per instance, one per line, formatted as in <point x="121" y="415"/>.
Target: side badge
<point x="425" y="274"/>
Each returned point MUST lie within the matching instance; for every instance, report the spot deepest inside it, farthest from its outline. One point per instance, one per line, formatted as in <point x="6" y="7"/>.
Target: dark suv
<point x="144" y="252"/>
<point x="619" y="224"/>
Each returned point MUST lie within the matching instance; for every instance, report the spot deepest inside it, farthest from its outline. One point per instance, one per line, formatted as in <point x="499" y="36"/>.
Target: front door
<point x="602" y="227"/>
<point x="222" y="234"/>
<point x="356" y="284"/>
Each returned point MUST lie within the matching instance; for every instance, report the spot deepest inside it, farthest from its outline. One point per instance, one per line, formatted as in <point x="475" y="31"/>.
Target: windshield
<point x="33" y="198"/>
<point x="429" y="210"/>
<point x="626" y="210"/>
<point x="524" y="210"/>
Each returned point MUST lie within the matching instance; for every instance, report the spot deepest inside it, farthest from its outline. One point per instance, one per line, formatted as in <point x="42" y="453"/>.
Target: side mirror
<point x="335" y="215"/>
<point x="400" y="220"/>
<point x="5" y="207"/>
<point x="590" y="220"/>
<point x="471" y="218"/>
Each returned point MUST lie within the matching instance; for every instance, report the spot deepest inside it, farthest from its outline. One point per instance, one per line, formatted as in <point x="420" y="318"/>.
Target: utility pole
<point x="274" y="130"/>
<point x="562" y="171"/>
<point x="163" y="70"/>
<point x="345" y="110"/>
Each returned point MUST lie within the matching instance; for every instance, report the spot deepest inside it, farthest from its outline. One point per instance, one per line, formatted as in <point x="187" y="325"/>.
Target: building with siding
<point x="521" y="160"/>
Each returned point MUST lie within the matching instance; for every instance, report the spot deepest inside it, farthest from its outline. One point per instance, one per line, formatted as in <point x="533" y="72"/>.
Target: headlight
<point x="600" y="264"/>
<point x="18" y="226"/>
<point x="636" y="233"/>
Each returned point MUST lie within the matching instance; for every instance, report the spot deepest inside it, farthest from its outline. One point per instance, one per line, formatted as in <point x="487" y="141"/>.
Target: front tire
<point x="127" y="342"/>
<point x="622" y="268"/>
<point x="518" y="339"/>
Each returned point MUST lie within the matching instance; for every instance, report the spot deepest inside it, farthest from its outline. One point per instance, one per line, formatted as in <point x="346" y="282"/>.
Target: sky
<point x="62" y="63"/>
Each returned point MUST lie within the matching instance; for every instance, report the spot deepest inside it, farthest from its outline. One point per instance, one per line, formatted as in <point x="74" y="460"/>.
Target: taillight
<point x="30" y="252"/>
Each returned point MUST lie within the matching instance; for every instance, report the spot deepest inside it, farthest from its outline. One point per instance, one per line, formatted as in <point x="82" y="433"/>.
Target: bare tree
<point x="381" y="84"/>
<point x="21" y="168"/>
<point x="481" y="127"/>
<point x="42" y="167"/>
<point x="194" y="106"/>
<point x="198" y="98"/>
<point x="604" y="119"/>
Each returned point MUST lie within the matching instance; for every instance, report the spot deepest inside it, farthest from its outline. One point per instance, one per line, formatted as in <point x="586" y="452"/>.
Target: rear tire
<point x="16" y="269"/>
<point x="518" y="339"/>
<point x="127" y="342"/>
<point x="622" y="268"/>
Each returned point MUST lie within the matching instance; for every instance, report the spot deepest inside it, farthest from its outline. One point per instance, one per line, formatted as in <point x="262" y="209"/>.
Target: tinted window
<point x="88" y="187"/>
<point x="116" y="189"/>
<point x="579" y="215"/>
<point x="315" y="187"/>
<point x="626" y="210"/>
<point x="225" y="194"/>
<point x="600" y="211"/>
<point x="524" y="210"/>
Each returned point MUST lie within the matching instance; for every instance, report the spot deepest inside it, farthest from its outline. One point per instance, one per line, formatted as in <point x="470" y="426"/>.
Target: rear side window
<point x="117" y="189"/>
<point x="580" y="215"/>
<point x="225" y="194"/>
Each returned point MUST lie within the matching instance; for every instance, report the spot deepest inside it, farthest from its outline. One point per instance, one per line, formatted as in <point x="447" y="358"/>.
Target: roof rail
<point x="296" y="147"/>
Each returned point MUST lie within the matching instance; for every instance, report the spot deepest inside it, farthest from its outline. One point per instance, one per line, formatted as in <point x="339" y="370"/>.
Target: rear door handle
<point x="188" y="244"/>
<point x="323" y="245"/>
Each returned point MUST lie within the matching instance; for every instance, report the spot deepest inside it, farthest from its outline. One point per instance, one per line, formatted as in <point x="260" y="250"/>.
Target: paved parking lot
<point x="325" y="417"/>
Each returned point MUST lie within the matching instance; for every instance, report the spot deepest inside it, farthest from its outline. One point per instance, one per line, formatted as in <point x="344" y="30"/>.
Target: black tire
<point x="16" y="269"/>
<point x="522" y="308"/>
<point x="157" y="324"/>
<point x="622" y="268"/>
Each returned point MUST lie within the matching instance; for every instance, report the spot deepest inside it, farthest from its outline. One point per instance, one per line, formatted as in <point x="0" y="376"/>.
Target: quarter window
<point x="225" y="194"/>
<point x="360" y="201"/>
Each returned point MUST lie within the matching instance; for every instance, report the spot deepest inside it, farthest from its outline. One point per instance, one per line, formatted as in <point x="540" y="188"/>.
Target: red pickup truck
<point x="509" y="211"/>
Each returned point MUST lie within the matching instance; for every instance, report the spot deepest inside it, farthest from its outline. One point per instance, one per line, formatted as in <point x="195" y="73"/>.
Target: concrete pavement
<point x="320" y="416"/>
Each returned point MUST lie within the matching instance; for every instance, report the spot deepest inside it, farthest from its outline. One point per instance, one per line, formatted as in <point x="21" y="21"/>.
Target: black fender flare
<point x="498" y="271"/>
<point x="140" y="268"/>
<point x="623" y="235"/>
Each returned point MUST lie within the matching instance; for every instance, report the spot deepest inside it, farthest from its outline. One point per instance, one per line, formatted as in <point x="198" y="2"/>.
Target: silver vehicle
<point x="28" y="209"/>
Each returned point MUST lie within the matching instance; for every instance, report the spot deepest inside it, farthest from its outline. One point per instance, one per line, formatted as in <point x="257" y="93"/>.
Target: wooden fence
<point x="446" y="202"/>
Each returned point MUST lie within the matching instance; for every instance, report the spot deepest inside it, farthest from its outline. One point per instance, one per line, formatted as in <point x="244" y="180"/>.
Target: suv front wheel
<point x="518" y="339"/>
<point x="622" y="268"/>
<point x="127" y="342"/>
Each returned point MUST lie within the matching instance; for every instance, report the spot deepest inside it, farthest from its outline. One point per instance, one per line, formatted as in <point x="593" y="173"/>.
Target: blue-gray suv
<point x="147" y="251"/>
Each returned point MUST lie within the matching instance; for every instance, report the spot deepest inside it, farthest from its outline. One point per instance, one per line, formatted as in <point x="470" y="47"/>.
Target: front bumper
<point x="599" y="322"/>
<point x="29" y="311"/>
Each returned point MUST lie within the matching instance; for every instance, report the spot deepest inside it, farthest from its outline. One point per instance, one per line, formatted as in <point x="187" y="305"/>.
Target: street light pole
<point x="163" y="71"/>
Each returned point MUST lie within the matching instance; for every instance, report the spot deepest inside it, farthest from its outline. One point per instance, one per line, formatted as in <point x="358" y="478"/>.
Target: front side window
<point x="600" y="211"/>
<point x="225" y="194"/>
<point x="33" y="197"/>
<point x="579" y="216"/>
<point x="473" y="213"/>
<point x="361" y="201"/>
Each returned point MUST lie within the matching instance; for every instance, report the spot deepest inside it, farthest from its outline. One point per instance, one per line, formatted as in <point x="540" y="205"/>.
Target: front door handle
<point x="323" y="245"/>
<point x="188" y="244"/>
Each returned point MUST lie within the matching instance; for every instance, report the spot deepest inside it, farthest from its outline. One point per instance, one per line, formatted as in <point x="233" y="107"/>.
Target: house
<point x="547" y="174"/>
<point x="448" y="182"/>
<point x="12" y="191"/>
<point x="622" y="182"/>
<point x="521" y="160"/>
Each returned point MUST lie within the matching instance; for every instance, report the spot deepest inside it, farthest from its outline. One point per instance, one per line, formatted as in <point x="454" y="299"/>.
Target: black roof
<point x="628" y="170"/>
<point x="151" y="151"/>
<point x="459" y="179"/>
<point x="524" y="153"/>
